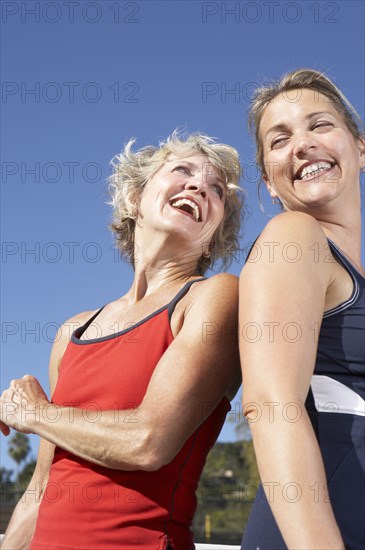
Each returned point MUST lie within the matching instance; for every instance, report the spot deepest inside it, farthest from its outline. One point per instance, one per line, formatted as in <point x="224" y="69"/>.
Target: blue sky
<point x="80" y="78"/>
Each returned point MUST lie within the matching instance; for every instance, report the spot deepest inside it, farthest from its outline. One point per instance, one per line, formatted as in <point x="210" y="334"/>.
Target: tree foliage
<point x="5" y="475"/>
<point x="226" y="492"/>
<point x="19" y="447"/>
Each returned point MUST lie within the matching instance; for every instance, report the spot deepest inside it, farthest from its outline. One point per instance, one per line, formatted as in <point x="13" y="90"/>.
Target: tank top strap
<point x="252" y="246"/>
<point x="345" y="262"/>
<point x="80" y="330"/>
<point x="184" y="290"/>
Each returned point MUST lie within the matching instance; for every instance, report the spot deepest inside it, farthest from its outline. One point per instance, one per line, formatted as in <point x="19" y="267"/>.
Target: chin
<point x="312" y="206"/>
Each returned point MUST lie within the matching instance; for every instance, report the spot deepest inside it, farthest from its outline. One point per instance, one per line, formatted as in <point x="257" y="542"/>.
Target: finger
<point x="7" y="395"/>
<point x="29" y="377"/>
<point x="13" y="383"/>
<point x="7" y="408"/>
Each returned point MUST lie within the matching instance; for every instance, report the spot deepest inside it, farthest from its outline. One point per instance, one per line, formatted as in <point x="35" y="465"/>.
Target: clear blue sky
<point x="102" y="72"/>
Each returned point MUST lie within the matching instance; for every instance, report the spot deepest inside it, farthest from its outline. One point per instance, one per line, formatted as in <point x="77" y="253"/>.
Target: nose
<point x="198" y="185"/>
<point x="303" y="142"/>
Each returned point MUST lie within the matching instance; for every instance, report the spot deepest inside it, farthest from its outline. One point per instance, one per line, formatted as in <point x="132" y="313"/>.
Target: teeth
<point x="308" y="171"/>
<point x="181" y="202"/>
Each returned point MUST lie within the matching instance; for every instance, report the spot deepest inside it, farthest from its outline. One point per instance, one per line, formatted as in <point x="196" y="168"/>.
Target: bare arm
<point x="196" y="371"/>
<point x="281" y="309"/>
<point x="21" y="527"/>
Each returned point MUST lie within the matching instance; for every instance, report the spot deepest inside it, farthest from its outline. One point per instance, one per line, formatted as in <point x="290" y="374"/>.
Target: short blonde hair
<point x="132" y="170"/>
<point x="301" y="79"/>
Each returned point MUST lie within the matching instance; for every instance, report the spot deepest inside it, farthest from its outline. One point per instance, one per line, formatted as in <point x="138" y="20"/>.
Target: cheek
<point x="218" y="218"/>
<point x="274" y="164"/>
<point x="277" y="171"/>
<point x="151" y="198"/>
<point x="218" y="211"/>
<point x="341" y="143"/>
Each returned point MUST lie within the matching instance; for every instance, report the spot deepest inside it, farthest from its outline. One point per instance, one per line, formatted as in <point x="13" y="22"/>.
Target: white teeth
<point x="308" y="171"/>
<point x="181" y="202"/>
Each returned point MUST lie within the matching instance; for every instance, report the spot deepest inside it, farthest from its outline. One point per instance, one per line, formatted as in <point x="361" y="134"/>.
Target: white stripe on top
<point x="333" y="397"/>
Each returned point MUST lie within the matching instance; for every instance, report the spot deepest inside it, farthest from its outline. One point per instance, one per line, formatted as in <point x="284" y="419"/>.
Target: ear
<point x="270" y="187"/>
<point x="362" y="152"/>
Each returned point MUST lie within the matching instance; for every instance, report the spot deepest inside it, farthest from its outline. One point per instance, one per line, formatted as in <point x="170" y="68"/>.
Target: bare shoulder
<point x="62" y="339"/>
<point x="70" y="325"/>
<point x="292" y="238"/>
<point x="208" y="300"/>
<point x="298" y="225"/>
<point x="291" y="253"/>
<point x="222" y="281"/>
<point x="217" y="293"/>
<point x="213" y="287"/>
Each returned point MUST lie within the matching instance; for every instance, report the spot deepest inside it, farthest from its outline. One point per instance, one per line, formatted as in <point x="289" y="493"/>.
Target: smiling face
<point x="185" y="197"/>
<point x="310" y="156"/>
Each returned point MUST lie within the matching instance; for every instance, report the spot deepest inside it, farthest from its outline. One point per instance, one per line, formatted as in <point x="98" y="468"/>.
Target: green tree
<point x="19" y="448"/>
<point x="5" y="475"/>
<point x="226" y="492"/>
<point x="26" y="473"/>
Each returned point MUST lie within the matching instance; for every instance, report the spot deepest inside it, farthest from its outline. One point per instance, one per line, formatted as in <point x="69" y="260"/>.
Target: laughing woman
<point x="135" y="411"/>
<point x="304" y="379"/>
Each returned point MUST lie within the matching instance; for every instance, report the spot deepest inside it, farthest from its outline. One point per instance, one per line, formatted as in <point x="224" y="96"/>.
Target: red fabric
<point x="87" y="506"/>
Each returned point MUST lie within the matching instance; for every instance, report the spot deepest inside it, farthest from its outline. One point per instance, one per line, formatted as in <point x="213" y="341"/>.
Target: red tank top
<point x="86" y="506"/>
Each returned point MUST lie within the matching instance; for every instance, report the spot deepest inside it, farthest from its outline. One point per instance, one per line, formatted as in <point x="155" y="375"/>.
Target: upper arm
<point x="282" y="297"/>
<point x="46" y="449"/>
<point x="199" y="366"/>
<point x="61" y="341"/>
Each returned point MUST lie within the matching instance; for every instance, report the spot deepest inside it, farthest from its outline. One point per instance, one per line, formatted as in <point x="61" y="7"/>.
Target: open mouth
<point x="188" y="206"/>
<point x="309" y="171"/>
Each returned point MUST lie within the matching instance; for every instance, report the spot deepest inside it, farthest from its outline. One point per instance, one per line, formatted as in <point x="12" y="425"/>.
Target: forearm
<point x="293" y="476"/>
<point x="116" y="439"/>
<point x="20" y="530"/>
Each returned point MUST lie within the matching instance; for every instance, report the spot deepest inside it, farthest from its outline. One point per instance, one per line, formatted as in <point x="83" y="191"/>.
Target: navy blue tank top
<point x="336" y="408"/>
<point x="341" y="344"/>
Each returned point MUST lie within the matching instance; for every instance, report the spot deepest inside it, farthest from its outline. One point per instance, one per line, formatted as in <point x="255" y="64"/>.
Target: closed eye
<point x="322" y="124"/>
<point x="182" y="168"/>
<point x="277" y="142"/>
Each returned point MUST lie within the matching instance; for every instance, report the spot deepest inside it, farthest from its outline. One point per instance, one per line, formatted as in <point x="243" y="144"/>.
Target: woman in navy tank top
<point x="302" y="322"/>
<point x="141" y="388"/>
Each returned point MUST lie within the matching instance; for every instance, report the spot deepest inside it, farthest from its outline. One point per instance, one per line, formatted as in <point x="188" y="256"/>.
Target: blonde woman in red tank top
<point x="134" y="411"/>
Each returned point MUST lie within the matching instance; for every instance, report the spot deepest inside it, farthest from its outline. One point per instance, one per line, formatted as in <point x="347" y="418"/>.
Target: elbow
<point x="144" y="454"/>
<point x="272" y="408"/>
<point x="154" y="452"/>
<point x="252" y="402"/>
<point x="152" y="463"/>
<point x="144" y="450"/>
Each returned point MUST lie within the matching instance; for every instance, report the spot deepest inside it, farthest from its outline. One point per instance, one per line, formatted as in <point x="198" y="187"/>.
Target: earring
<point x="206" y="255"/>
<point x="133" y="213"/>
<point x="276" y="200"/>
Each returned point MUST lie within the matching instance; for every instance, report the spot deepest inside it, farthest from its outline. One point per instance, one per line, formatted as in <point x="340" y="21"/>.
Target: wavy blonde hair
<point x="131" y="171"/>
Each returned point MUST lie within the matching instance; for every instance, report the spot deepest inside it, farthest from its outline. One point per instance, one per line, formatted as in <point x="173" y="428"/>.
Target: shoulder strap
<point x="344" y="261"/>
<point x="80" y="330"/>
<point x="251" y="247"/>
<point x="181" y="294"/>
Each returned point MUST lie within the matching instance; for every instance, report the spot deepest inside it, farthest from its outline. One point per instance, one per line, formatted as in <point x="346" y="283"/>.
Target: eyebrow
<point x="282" y="126"/>
<point x="215" y="174"/>
<point x="184" y="160"/>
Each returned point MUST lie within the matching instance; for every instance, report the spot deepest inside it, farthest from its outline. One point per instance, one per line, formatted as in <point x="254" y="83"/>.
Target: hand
<point x="21" y="405"/>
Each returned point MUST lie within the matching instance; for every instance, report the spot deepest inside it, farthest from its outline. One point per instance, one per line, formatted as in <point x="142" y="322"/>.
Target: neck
<point x="158" y="265"/>
<point x="347" y="235"/>
<point x="341" y="222"/>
